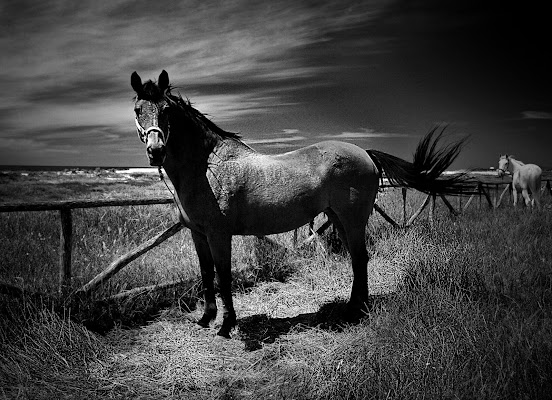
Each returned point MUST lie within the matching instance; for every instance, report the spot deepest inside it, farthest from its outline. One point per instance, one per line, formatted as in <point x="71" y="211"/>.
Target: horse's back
<point x="529" y="177"/>
<point x="339" y="164"/>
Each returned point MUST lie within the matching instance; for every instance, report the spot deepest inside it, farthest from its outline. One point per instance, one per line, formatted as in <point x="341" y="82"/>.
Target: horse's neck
<point x="187" y="160"/>
<point x="515" y="165"/>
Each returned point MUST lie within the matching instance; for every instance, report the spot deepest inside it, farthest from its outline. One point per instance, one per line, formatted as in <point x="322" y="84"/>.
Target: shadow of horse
<point x="257" y="330"/>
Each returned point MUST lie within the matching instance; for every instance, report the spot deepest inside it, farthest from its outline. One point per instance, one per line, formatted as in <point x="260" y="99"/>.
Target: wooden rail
<point x="71" y="204"/>
<point x="118" y="264"/>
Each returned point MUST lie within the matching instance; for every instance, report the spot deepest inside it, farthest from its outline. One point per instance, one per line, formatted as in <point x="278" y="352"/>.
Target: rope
<point x="162" y="179"/>
<point x="175" y="199"/>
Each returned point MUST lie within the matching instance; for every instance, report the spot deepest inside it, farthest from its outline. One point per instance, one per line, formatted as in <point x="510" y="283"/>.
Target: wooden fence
<point x="480" y="186"/>
<point x="65" y="208"/>
<point x="487" y="186"/>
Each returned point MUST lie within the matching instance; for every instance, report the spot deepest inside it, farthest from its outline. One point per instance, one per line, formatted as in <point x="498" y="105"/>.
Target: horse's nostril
<point x="156" y="154"/>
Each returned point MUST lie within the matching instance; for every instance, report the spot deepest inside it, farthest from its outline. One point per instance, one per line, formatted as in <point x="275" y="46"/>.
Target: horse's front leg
<point x="207" y="277"/>
<point x="525" y="194"/>
<point x="221" y="249"/>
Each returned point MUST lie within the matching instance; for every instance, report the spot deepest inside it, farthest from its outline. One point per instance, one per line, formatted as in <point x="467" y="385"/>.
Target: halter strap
<point x="505" y="170"/>
<point x="143" y="133"/>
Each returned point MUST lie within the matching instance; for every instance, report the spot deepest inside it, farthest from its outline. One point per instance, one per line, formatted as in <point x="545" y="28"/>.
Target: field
<point x="463" y="310"/>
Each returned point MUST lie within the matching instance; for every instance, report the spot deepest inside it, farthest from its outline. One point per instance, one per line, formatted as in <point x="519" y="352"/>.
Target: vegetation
<point x="459" y="311"/>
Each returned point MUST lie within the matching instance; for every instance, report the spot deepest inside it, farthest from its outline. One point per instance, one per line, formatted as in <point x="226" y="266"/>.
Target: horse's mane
<point x="511" y="156"/>
<point x="185" y="106"/>
<point x="152" y="92"/>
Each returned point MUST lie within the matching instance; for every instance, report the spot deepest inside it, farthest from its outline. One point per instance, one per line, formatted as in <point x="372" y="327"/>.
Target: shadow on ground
<point x="102" y="315"/>
<point x="257" y="330"/>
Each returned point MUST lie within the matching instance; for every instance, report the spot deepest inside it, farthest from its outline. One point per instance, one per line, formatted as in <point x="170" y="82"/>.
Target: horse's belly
<point x="276" y="214"/>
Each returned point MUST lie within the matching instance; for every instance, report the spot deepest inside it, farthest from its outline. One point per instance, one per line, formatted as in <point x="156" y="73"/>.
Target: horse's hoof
<point x="204" y="322"/>
<point x="354" y="313"/>
<point x="223" y="332"/>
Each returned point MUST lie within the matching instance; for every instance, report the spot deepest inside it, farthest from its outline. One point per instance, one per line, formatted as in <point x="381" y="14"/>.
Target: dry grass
<point x="45" y="355"/>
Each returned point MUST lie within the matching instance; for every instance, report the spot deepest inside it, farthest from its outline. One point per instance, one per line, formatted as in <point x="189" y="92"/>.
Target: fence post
<point x="65" y="245"/>
<point x="432" y="210"/>
<point x="502" y="195"/>
<point x="487" y="197"/>
<point x="385" y="216"/>
<point x="404" y="205"/>
<point x="449" y="206"/>
<point x="419" y="211"/>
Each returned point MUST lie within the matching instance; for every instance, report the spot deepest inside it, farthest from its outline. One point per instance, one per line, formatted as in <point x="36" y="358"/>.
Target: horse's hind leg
<point x="525" y="194"/>
<point x="352" y="233"/>
<point x="536" y="198"/>
<point x="359" y="260"/>
<point x="537" y="191"/>
<point x="207" y="277"/>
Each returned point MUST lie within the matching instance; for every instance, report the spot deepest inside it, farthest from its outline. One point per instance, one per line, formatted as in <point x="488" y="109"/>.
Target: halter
<point x="144" y="133"/>
<point x="507" y="164"/>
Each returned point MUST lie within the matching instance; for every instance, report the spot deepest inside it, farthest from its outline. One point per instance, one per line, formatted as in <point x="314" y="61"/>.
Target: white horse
<point x="526" y="178"/>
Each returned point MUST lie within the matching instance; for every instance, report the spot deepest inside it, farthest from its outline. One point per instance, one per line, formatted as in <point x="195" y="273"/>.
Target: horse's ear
<point x="163" y="80"/>
<point x="136" y="82"/>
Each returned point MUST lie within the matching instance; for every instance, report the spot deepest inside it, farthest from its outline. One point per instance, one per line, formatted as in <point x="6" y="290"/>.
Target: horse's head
<point x="503" y="165"/>
<point x="151" y="109"/>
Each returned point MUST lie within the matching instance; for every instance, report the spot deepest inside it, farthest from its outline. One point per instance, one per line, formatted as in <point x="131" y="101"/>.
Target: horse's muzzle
<point x="156" y="156"/>
<point x="155" y="147"/>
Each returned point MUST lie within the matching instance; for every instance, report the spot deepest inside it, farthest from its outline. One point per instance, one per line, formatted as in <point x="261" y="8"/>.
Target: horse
<point x="526" y="178"/>
<point x="223" y="187"/>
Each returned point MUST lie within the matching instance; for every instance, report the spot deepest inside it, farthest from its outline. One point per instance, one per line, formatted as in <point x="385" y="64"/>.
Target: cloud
<point x="227" y="107"/>
<point x="30" y="145"/>
<point x="278" y="146"/>
<point x="87" y="50"/>
<point x="275" y="140"/>
<point x="363" y="134"/>
<point x="536" y="115"/>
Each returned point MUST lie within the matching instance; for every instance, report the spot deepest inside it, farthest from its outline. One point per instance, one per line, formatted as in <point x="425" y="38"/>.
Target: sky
<point x="284" y="74"/>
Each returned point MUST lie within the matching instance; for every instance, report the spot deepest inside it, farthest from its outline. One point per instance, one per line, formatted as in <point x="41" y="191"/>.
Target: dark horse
<point x="226" y="188"/>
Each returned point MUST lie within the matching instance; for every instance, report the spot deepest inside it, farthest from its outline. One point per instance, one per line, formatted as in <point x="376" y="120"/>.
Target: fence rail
<point x="477" y="185"/>
<point x="71" y="204"/>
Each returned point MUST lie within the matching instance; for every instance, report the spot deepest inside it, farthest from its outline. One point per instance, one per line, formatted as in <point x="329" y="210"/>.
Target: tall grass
<point x="471" y="319"/>
<point x="462" y="310"/>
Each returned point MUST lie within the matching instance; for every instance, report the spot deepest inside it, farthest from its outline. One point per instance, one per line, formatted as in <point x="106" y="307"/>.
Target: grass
<point x="459" y="311"/>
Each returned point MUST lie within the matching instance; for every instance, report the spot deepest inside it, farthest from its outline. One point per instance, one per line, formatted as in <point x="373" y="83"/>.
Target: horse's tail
<point x="424" y="173"/>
